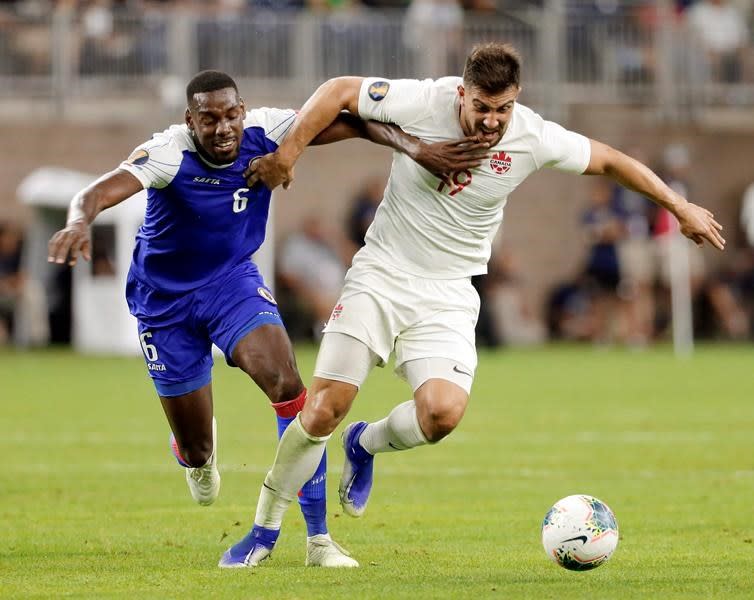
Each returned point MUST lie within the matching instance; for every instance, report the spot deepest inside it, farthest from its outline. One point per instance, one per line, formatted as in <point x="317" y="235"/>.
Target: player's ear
<point x="242" y="104"/>
<point x="187" y="118"/>
<point x="461" y="91"/>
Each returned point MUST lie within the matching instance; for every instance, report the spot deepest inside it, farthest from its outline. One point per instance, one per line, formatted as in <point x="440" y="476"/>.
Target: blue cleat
<point x="356" y="480"/>
<point x="251" y="550"/>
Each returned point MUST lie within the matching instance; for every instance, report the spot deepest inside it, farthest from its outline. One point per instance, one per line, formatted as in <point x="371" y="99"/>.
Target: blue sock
<point x="313" y="500"/>
<point x="313" y="495"/>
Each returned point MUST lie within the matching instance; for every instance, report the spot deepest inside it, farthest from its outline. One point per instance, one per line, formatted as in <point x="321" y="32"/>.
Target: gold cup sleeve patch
<point x="265" y="293"/>
<point x="378" y="90"/>
<point x="138" y="157"/>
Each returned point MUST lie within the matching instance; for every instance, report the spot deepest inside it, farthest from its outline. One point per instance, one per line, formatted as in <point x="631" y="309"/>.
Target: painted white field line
<point x="93" y="438"/>
<point x="422" y="471"/>
<point x="589" y="437"/>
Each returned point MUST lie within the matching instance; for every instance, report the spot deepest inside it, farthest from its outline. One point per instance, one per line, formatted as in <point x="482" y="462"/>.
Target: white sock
<point x="298" y="456"/>
<point x="400" y="430"/>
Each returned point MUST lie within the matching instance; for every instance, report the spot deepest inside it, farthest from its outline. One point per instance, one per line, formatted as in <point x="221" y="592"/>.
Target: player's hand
<point x="442" y="159"/>
<point x="70" y="243"/>
<point x="698" y="224"/>
<point x="270" y="170"/>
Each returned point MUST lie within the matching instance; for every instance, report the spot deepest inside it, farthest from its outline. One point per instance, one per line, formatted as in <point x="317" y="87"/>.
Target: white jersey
<point x="432" y="230"/>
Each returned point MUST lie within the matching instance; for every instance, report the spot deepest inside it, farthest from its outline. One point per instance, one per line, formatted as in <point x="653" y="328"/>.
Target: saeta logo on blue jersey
<point x="378" y="90"/>
<point x="210" y="180"/>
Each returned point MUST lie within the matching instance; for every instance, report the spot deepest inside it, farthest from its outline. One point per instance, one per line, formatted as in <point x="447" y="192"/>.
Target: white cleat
<point x="204" y="482"/>
<point x="322" y="551"/>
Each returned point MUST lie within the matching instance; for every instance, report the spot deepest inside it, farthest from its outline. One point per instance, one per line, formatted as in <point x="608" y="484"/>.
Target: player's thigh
<point x="178" y="357"/>
<point x="344" y="358"/>
<point x="190" y="419"/>
<point x="375" y="304"/>
<point x="445" y="330"/>
<point x="420" y="371"/>
<point x="235" y="307"/>
<point x="265" y="353"/>
<point x="343" y="364"/>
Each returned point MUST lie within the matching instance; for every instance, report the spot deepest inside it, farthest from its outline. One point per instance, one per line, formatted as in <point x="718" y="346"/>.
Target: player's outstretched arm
<point x="439" y="158"/>
<point x="319" y="111"/>
<point x="75" y="239"/>
<point x="697" y="223"/>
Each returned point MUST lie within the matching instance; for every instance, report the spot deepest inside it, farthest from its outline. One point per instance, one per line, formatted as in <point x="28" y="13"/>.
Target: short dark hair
<point x="492" y="67"/>
<point x="208" y="81"/>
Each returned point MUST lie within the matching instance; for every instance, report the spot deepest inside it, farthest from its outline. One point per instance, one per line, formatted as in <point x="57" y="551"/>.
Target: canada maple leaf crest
<point x="500" y="162"/>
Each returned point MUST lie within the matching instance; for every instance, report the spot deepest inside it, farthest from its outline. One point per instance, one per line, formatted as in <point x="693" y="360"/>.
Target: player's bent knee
<point x="326" y="407"/>
<point x="266" y="356"/>
<point x="438" y="429"/>
<point x="321" y="418"/>
<point x="439" y="421"/>
<point x="288" y="385"/>
<point x="279" y="381"/>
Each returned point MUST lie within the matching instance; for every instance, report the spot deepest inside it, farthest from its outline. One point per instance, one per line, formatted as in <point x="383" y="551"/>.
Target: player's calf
<point x="203" y="481"/>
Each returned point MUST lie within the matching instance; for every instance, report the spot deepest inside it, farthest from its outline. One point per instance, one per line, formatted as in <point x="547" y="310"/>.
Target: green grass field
<point x="92" y="504"/>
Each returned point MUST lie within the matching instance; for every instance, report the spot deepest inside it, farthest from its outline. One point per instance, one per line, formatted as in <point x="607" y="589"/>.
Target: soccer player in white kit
<point x="409" y="288"/>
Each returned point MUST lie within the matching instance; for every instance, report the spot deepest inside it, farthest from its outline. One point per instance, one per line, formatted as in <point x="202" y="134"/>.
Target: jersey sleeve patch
<point x="378" y="90"/>
<point x="138" y="157"/>
<point x="400" y="101"/>
<point x="155" y="163"/>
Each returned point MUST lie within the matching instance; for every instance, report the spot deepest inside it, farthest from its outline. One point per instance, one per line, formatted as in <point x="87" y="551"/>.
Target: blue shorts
<point x="177" y="330"/>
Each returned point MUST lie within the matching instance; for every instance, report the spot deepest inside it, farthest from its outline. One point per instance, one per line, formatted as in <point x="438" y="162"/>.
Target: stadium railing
<point x="637" y="53"/>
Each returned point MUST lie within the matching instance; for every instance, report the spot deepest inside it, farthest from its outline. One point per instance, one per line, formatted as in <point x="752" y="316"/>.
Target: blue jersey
<point x="201" y="219"/>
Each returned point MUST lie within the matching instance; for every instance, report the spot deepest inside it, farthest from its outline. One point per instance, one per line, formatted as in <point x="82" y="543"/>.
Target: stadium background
<point x="84" y="82"/>
<point x="92" y="504"/>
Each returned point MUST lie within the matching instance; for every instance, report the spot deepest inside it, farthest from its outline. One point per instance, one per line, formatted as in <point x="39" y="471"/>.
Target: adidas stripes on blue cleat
<point x="356" y="480"/>
<point x="251" y="550"/>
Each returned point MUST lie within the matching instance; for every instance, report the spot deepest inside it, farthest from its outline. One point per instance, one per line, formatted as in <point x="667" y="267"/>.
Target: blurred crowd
<point x="717" y="36"/>
<point x="634" y="252"/>
<point x="619" y="294"/>
<point x="11" y="278"/>
<point x="621" y="290"/>
<point x="603" y="39"/>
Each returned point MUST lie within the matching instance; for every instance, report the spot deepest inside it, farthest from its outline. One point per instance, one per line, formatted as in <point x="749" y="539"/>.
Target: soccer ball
<point x="579" y="532"/>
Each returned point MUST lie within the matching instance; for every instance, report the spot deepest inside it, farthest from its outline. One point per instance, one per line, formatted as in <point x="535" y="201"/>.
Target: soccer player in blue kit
<point x="192" y="282"/>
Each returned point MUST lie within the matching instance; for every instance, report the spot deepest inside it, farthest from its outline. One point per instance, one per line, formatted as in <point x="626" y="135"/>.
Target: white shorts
<point x="389" y="310"/>
<point x="344" y="358"/>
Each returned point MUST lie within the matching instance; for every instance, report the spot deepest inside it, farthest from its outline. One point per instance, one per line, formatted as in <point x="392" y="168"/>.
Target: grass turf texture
<point x="93" y="505"/>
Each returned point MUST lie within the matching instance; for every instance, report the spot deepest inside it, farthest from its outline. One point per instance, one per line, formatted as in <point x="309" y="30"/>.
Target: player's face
<point x="486" y="115"/>
<point x="216" y="120"/>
